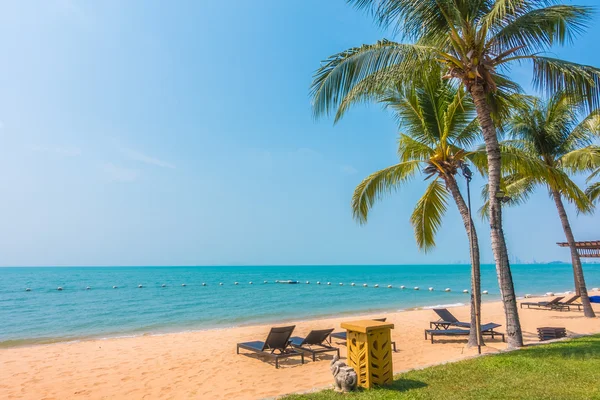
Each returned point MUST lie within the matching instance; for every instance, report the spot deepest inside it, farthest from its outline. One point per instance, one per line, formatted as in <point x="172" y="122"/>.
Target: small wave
<point x="444" y="306"/>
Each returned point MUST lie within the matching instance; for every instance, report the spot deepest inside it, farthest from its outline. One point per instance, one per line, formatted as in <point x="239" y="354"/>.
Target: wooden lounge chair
<point x="276" y="346"/>
<point x="486" y="330"/>
<point x="571" y="303"/>
<point x="546" y="305"/>
<point x="315" y="342"/>
<point x="344" y="335"/>
<point x="548" y="333"/>
<point x="446" y="320"/>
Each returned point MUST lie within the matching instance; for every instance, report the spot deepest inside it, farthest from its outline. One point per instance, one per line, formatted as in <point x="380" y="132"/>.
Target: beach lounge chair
<point x="571" y="303"/>
<point x="315" y="342"/>
<point x="446" y="320"/>
<point x="276" y="346"/>
<point x="486" y="330"/>
<point x="344" y="335"/>
<point x="546" y="305"/>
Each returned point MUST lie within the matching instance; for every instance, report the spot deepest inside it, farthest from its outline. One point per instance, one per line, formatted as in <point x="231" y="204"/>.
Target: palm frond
<point x="410" y="148"/>
<point x="378" y="184"/>
<point x="584" y="132"/>
<point x="340" y="73"/>
<point x="517" y="188"/>
<point x="426" y="218"/>
<point x="502" y="11"/>
<point x="468" y="136"/>
<point x="538" y="30"/>
<point x="412" y="18"/>
<point x="554" y="75"/>
<point x="581" y="160"/>
<point x="373" y="88"/>
<point x="569" y="190"/>
<point x="593" y="192"/>
<point x="593" y="175"/>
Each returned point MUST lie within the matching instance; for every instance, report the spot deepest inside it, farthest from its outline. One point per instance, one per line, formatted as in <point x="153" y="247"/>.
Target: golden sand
<point x="203" y="365"/>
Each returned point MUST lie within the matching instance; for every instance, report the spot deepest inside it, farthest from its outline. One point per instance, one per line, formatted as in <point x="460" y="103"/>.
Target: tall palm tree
<point x="439" y="126"/>
<point x="473" y="41"/>
<point x="549" y="133"/>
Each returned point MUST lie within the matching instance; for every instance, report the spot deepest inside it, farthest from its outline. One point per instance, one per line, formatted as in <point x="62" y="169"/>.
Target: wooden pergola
<point x="585" y="249"/>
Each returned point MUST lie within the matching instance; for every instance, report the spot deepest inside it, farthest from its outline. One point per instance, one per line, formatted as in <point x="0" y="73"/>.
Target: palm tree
<point x="439" y="124"/>
<point x="548" y="132"/>
<point x="473" y="41"/>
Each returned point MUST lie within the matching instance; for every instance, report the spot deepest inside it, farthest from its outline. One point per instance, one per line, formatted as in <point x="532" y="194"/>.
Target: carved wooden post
<point x="370" y="351"/>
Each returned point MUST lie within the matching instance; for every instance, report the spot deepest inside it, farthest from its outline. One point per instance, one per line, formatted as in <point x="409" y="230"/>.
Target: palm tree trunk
<point x="475" y="266"/>
<point x="507" y="290"/>
<point x="580" y="288"/>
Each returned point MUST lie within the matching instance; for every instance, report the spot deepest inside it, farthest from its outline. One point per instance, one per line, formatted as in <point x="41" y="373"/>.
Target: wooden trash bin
<point x="369" y="346"/>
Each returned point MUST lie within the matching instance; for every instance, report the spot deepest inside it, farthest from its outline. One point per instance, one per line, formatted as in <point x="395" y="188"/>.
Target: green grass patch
<point x="564" y="370"/>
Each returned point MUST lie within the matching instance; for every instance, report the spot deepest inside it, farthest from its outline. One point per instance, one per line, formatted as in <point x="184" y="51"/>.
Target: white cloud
<point x="114" y="173"/>
<point x="348" y="169"/>
<point x="141" y="157"/>
<point x="59" y="150"/>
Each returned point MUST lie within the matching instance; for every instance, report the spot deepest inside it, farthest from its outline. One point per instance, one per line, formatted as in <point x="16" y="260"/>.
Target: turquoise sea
<point x="45" y="314"/>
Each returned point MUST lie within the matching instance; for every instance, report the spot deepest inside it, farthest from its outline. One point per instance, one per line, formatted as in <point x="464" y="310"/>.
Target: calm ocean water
<point x="45" y="314"/>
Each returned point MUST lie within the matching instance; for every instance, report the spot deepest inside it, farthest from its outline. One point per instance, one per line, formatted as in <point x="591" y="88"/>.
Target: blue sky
<point x="180" y="133"/>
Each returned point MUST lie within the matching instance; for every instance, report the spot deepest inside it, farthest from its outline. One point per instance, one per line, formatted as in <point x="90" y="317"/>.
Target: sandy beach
<point x="204" y="364"/>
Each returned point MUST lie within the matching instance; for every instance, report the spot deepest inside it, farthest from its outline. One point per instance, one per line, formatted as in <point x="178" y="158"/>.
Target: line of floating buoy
<point x="431" y="289"/>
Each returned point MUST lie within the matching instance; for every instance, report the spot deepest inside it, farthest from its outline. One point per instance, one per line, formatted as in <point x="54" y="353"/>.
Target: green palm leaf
<point x="539" y="29"/>
<point x="340" y="73"/>
<point x="593" y="192"/>
<point x="426" y="218"/>
<point x="378" y="184"/>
